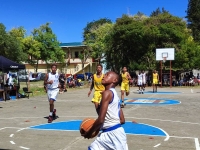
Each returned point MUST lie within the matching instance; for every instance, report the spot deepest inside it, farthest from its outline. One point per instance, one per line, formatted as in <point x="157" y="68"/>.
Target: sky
<point x="69" y="17"/>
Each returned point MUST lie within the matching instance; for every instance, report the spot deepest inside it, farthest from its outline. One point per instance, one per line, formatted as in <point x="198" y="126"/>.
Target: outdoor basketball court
<point x="167" y="120"/>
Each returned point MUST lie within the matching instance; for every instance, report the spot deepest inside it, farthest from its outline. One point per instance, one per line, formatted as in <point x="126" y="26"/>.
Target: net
<point x="164" y="59"/>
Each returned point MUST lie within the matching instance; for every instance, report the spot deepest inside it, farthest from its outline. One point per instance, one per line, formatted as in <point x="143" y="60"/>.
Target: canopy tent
<point x="7" y="64"/>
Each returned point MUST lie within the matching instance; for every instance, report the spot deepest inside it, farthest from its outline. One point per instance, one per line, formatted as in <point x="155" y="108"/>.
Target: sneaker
<point x="142" y="92"/>
<point x="50" y="119"/>
<point x="122" y="105"/>
<point x="54" y="113"/>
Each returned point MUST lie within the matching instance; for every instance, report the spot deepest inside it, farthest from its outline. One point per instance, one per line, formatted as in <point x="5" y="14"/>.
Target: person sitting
<point x="191" y="82"/>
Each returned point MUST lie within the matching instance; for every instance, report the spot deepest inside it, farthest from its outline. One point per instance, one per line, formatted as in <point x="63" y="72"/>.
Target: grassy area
<point x="38" y="89"/>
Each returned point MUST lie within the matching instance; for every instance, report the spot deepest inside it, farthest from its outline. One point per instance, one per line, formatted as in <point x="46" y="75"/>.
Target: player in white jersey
<point x="140" y="82"/>
<point x="110" y="118"/>
<point x="144" y="80"/>
<point x="51" y="83"/>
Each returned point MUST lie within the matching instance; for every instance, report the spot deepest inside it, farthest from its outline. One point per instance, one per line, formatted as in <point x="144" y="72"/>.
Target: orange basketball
<point x="86" y="125"/>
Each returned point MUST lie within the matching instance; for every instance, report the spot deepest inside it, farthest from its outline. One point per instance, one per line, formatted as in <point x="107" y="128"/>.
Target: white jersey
<point x="144" y="76"/>
<point x="112" y="117"/>
<point x="55" y="78"/>
<point x="140" y="76"/>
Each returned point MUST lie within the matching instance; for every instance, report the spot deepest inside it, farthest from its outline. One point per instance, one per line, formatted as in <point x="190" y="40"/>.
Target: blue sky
<point x="69" y="17"/>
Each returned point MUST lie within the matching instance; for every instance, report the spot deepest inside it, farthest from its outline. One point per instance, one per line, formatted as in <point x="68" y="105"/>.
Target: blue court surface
<point x="151" y="101"/>
<point x="161" y="92"/>
<point x="129" y="127"/>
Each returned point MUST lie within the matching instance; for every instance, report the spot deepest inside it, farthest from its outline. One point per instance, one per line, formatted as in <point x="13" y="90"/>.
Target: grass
<point x="38" y="89"/>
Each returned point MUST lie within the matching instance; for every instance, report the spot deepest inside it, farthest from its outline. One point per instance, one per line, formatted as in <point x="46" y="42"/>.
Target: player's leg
<point x="153" y="85"/>
<point x="127" y="88"/>
<point x="95" y="100"/>
<point x="122" y="94"/>
<point x="122" y="98"/>
<point x="156" y="86"/>
<point x="51" y="107"/>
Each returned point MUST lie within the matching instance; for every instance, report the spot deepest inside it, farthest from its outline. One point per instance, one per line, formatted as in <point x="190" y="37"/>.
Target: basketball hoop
<point x="164" y="59"/>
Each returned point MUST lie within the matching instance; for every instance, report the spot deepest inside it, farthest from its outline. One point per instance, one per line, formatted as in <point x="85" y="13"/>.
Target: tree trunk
<point x="36" y="68"/>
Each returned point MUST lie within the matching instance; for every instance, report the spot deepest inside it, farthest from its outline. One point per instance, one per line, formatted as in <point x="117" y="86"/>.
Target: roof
<point x="72" y="44"/>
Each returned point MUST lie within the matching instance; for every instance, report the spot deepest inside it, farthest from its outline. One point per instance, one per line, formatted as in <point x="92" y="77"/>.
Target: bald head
<point x="111" y="78"/>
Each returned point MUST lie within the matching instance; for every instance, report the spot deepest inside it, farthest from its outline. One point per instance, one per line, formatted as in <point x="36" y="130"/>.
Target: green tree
<point x="193" y="16"/>
<point x="10" y="46"/>
<point x="49" y="50"/>
<point x="99" y="45"/>
<point x="87" y="35"/>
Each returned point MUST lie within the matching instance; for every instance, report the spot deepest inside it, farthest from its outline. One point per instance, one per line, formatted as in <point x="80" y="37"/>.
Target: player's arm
<point x="46" y="80"/>
<point x="128" y="76"/>
<point x="106" y="97"/>
<point x="91" y="87"/>
<point x="122" y="119"/>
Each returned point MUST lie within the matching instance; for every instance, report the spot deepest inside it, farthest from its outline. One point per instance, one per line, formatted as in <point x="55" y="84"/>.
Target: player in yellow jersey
<point x="125" y="84"/>
<point x="98" y="87"/>
<point x="155" y="80"/>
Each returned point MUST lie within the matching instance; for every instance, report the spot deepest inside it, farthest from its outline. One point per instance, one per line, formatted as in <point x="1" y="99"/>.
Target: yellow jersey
<point x="155" y="76"/>
<point x="125" y="78"/>
<point x="98" y="84"/>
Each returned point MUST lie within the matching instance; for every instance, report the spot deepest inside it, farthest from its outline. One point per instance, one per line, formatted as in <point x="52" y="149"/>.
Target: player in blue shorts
<point x="110" y="119"/>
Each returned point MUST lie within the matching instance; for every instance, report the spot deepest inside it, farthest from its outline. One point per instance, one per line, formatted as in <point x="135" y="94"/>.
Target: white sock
<point x="51" y="113"/>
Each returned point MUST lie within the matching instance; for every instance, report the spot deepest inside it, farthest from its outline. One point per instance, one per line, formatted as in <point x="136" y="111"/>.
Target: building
<point x="73" y="63"/>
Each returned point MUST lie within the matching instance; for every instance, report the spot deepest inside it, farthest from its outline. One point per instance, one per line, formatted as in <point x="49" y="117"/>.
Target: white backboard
<point x="165" y="52"/>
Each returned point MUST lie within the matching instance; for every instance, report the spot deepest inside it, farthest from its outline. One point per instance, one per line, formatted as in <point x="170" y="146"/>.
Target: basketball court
<point x="155" y="121"/>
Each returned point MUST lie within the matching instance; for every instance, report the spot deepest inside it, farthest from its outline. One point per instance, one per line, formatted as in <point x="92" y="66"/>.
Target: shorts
<point x="139" y="82"/>
<point x="144" y="82"/>
<point x="52" y="94"/>
<point x="97" y="97"/>
<point x="125" y="87"/>
<point x="111" y="140"/>
<point x="155" y="81"/>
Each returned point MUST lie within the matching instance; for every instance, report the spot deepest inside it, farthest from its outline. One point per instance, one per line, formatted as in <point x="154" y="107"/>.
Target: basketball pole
<point x="161" y="73"/>
<point x="170" y="74"/>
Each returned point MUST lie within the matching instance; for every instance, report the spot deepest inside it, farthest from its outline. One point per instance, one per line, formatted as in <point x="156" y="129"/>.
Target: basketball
<point x="86" y="125"/>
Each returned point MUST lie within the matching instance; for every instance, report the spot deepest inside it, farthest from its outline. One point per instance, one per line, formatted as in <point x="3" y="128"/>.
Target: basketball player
<point x="143" y="80"/>
<point x="140" y="83"/>
<point x="113" y="136"/>
<point x="98" y="87"/>
<point x="125" y="84"/>
<point x="155" y="80"/>
<point x="51" y="82"/>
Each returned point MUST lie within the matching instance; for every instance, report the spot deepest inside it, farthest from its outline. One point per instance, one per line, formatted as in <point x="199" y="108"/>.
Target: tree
<point x="158" y="12"/>
<point x="32" y="48"/>
<point x="99" y="45"/>
<point x="84" y="55"/>
<point x="10" y="46"/>
<point x="193" y="16"/>
<point x="49" y="50"/>
<point x="87" y="35"/>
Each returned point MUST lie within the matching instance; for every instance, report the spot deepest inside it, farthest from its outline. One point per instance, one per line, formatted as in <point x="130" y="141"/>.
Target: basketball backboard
<point x="167" y="53"/>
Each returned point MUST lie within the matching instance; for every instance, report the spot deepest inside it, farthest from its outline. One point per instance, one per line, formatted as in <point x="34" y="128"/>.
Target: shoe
<point x="142" y="92"/>
<point x="122" y="105"/>
<point x="54" y="113"/>
<point x="50" y="119"/>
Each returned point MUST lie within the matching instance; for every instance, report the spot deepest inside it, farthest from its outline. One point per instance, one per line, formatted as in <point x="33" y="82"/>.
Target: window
<point x="76" y="54"/>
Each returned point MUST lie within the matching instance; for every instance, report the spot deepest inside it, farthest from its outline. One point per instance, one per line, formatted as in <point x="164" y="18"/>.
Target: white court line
<point x="157" y="145"/>
<point x="96" y="116"/>
<point x="11" y="135"/>
<point x="24" y="147"/>
<point x="21" y="129"/>
<point x="197" y="143"/>
<point x="12" y="142"/>
<point x="182" y="137"/>
<point x="9" y="128"/>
